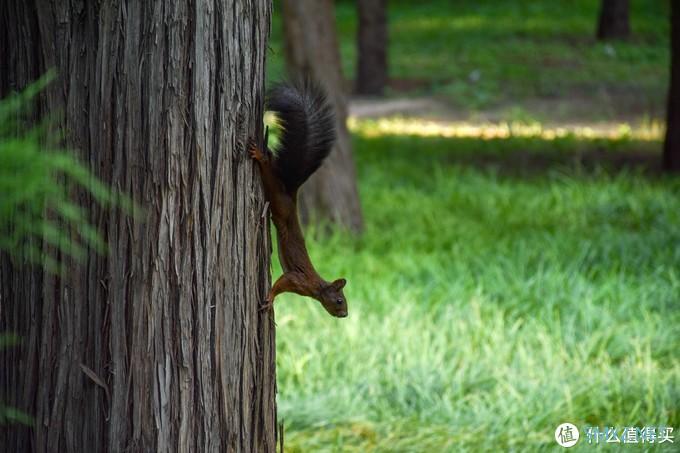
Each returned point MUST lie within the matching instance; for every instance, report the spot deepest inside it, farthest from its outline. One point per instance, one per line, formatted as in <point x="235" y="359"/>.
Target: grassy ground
<point x="490" y="300"/>
<point x="503" y="285"/>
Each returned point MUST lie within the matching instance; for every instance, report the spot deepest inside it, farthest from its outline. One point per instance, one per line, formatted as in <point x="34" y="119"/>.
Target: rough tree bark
<point x="372" y="47"/>
<point x="671" y="148"/>
<point x="614" y="20"/>
<point x="311" y="48"/>
<point x="157" y="346"/>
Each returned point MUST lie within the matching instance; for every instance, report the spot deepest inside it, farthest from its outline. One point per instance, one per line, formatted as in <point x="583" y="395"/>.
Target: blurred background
<point x="501" y="206"/>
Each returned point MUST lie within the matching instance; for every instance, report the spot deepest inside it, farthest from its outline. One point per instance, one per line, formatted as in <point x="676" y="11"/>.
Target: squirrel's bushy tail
<point x="307" y="124"/>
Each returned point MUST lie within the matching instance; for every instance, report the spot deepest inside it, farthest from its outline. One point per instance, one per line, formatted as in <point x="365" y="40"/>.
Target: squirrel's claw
<point x="267" y="305"/>
<point x="254" y="151"/>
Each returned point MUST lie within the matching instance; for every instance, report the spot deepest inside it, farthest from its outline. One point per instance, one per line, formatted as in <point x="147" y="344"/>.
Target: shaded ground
<point x="523" y="163"/>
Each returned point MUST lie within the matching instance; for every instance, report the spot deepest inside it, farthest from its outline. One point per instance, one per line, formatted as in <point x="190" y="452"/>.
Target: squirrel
<point x="307" y="125"/>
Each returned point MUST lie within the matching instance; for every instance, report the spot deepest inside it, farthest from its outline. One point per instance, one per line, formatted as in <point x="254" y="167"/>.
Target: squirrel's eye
<point x="339" y="301"/>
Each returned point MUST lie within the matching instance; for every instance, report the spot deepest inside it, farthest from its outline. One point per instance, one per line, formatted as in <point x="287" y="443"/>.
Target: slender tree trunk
<point x="671" y="148"/>
<point x="372" y="45"/>
<point x="311" y="48"/>
<point x="614" y="20"/>
<point x="157" y="346"/>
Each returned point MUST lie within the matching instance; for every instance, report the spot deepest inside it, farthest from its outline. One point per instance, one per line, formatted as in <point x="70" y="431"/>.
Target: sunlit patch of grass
<point x="485" y="308"/>
<point x="650" y="131"/>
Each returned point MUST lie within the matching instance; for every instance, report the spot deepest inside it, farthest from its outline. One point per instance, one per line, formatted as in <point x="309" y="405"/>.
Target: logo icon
<point x="567" y="435"/>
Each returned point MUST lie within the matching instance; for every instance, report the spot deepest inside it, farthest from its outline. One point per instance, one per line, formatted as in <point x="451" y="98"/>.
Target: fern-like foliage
<point x="38" y="178"/>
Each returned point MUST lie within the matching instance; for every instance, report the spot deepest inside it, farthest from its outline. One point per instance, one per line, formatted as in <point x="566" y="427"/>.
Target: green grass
<point x="489" y="301"/>
<point x="483" y="54"/>
<point x="503" y="286"/>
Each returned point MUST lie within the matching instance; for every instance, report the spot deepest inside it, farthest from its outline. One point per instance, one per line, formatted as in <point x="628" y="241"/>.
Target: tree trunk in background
<point x="614" y="22"/>
<point x="311" y="48"/>
<point x="159" y="345"/>
<point x="671" y="148"/>
<point x="372" y="46"/>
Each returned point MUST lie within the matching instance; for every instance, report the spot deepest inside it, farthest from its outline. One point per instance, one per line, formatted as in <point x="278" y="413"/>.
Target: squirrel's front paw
<point x="254" y="151"/>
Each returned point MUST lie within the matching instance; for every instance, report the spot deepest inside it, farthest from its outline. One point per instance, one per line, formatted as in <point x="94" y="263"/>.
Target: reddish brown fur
<point x="299" y="275"/>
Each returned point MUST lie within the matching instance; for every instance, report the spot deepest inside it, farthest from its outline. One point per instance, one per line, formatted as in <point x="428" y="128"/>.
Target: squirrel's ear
<point x="339" y="284"/>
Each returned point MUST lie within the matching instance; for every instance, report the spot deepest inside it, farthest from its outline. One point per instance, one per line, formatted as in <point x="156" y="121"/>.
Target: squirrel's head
<point x="332" y="298"/>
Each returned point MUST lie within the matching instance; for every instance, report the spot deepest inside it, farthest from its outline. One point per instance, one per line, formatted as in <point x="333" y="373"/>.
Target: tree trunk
<point x="372" y="45"/>
<point x="614" y="22"/>
<point x="311" y="48"/>
<point x="671" y="148"/>
<point x="157" y="346"/>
